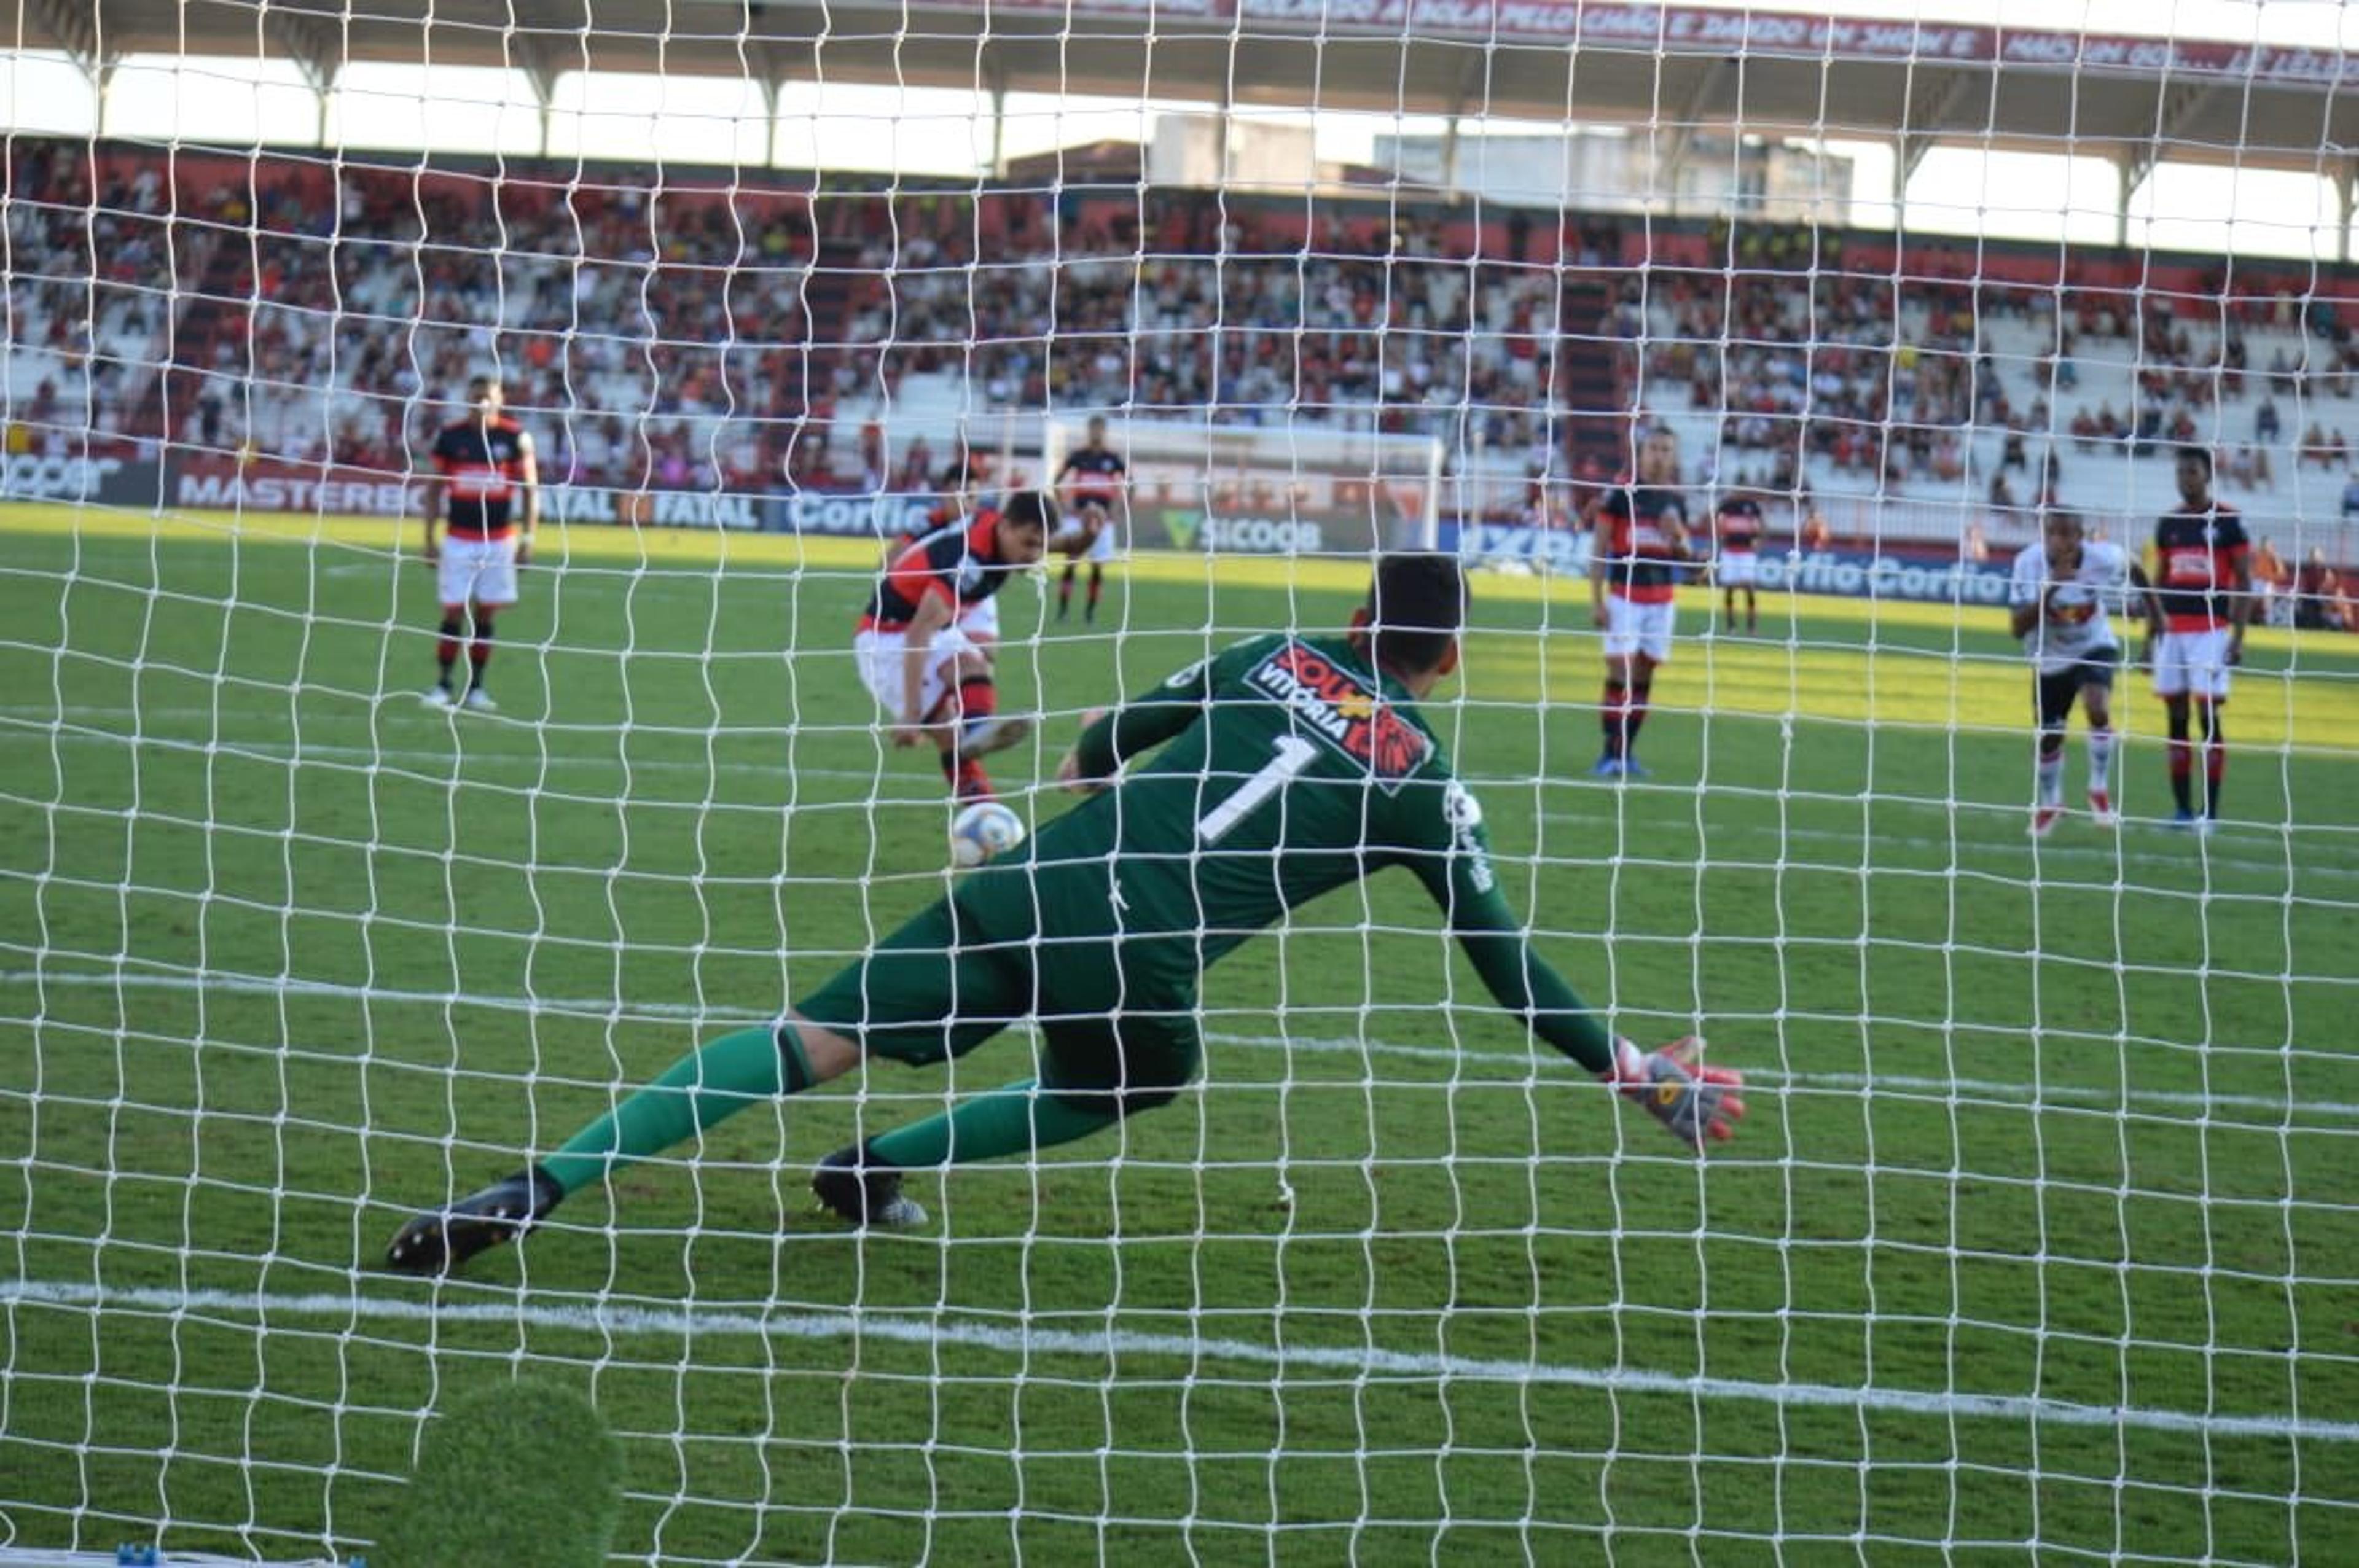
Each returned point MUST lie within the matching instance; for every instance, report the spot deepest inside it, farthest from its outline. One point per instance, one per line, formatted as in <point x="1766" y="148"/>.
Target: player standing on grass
<point x="929" y="675"/>
<point x="1641" y="538"/>
<point x="1092" y="481"/>
<point x="483" y="465"/>
<point x="1736" y="558"/>
<point x="2202" y="591"/>
<point x="1289" y="766"/>
<point x="2060" y="593"/>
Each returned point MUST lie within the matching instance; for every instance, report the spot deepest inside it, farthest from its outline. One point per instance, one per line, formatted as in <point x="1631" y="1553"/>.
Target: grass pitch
<point x="2038" y="1242"/>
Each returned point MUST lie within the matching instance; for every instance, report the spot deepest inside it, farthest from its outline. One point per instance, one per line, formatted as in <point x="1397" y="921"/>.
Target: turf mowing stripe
<point x="654" y="1011"/>
<point x="2217" y="849"/>
<point x="1101" y="1343"/>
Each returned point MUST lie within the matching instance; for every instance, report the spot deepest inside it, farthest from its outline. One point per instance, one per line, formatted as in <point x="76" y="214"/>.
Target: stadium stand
<point x="730" y="336"/>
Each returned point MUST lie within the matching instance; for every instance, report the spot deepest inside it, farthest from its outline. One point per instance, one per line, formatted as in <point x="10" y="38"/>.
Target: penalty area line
<point x="931" y="1330"/>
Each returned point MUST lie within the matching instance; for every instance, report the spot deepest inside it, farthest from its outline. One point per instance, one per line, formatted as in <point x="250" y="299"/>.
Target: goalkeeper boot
<point x="996" y="733"/>
<point x="480" y="700"/>
<point x="851" y="1185"/>
<point x="441" y="1240"/>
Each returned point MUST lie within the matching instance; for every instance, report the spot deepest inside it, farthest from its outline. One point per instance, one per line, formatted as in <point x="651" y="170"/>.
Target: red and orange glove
<point x="1692" y="1101"/>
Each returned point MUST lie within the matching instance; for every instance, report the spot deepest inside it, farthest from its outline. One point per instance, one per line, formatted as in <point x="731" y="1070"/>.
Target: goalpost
<point x="2037" y="1241"/>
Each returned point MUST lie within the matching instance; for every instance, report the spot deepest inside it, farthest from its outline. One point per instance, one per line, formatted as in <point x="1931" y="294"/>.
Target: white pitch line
<point x="2198" y="851"/>
<point x="1099" y="1344"/>
<point x="1541" y="1061"/>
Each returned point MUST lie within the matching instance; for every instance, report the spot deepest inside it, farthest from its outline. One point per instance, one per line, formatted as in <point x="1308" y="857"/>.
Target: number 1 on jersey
<point x="1294" y="754"/>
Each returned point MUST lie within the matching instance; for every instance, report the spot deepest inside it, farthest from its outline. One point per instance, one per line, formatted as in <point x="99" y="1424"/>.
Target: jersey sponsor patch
<point x="1343" y="709"/>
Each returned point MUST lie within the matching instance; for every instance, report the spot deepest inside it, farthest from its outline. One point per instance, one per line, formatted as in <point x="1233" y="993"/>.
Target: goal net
<point x="1208" y="486"/>
<point x="334" y="887"/>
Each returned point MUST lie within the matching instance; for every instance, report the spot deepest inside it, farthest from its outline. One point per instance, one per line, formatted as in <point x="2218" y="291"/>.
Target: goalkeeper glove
<point x="1692" y="1101"/>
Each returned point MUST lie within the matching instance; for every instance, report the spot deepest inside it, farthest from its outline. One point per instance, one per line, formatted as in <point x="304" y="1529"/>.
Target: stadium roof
<point x="2133" y="101"/>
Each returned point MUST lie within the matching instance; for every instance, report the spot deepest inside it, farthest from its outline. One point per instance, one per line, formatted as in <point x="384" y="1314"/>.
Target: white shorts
<point x="1737" y="571"/>
<point x="483" y="570"/>
<point x="879" y="655"/>
<point x="981" y="621"/>
<point x="1638" y="629"/>
<point x="2192" y="663"/>
<point x="1104" y="544"/>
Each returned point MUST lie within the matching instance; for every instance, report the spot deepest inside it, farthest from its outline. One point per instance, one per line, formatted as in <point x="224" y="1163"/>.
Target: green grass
<point x="285" y="956"/>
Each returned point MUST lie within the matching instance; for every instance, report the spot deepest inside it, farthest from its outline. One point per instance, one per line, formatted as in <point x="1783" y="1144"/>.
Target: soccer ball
<point x="982" y="830"/>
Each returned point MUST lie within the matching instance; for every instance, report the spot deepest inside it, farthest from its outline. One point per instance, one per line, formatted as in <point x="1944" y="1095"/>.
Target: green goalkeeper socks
<point x="702" y="1088"/>
<point x="1010" y="1120"/>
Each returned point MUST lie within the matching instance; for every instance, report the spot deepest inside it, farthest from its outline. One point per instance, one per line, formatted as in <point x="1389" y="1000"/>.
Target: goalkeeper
<point x="1289" y="766"/>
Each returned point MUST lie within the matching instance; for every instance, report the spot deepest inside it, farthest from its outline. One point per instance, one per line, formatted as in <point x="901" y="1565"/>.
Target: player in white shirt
<point x="2062" y="591"/>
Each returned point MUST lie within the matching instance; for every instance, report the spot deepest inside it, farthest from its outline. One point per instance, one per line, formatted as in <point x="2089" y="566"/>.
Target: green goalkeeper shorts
<point x="932" y="991"/>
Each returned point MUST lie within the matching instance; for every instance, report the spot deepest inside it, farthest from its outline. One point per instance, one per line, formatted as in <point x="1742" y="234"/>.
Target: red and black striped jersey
<point x="1740" y="525"/>
<point x="1097" y="475"/>
<point x="960" y="566"/>
<point x="1637" y="526"/>
<point x="2199" y="557"/>
<point x="481" y="462"/>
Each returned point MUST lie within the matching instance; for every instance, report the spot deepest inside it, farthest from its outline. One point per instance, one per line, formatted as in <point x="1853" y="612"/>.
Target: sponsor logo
<point x="662" y="508"/>
<point x="1857" y="575"/>
<point x="1341" y="709"/>
<point x="1182" y="525"/>
<point x="860" y="516"/>
<point x="1263" y="535"/>
<point x="1559" y="549"/>
<point x="27" y="476"/>
<point x="1464" y="814"/>
<point x="222" y="490"/>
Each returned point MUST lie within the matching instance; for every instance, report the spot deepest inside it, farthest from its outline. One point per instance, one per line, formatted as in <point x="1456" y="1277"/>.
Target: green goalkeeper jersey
<point x="1292" y="769"/>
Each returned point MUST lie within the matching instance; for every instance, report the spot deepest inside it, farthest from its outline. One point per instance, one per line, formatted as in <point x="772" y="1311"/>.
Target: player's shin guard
<point x="446" y="647"/>
<point x="702" y="1088"/>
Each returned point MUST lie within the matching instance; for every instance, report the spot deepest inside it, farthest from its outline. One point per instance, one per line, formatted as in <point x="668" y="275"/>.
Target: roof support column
<point x="531" y="57"/>
<point x="2346" y="194"/>
<point x="2128" y="172"/>
<point x="997" y="78"/>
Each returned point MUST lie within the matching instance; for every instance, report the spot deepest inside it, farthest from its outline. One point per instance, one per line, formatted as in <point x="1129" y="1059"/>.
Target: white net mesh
<point x="2036" y="1241"/>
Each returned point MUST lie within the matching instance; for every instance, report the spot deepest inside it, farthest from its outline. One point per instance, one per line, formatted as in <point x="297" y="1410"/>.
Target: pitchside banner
<point x="1846" y="574"/>
<point x="107" y="480"/>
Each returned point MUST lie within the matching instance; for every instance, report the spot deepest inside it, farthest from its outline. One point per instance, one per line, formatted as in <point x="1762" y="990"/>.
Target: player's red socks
<point x="977" y="698"/>
<point x="968" y="782"/>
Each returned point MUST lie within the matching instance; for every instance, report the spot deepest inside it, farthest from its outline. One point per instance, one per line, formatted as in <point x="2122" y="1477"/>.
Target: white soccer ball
<point x="982" y="830"/>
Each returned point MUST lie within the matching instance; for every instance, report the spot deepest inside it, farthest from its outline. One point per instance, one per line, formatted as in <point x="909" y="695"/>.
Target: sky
<point x="921" y="131"/>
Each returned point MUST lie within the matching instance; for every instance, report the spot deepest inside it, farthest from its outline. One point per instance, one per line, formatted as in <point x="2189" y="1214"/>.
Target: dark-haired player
<point x="2058" y="595"/>
<point x="485" y="474"/>
<point x="1092" y="481"/>
<point x="1736" y="558"/>
<point x="1280" y="769"/>
<point x="2202" y="591"/>
<point x="1641" y="536"/>
<point x="930" y="676"/>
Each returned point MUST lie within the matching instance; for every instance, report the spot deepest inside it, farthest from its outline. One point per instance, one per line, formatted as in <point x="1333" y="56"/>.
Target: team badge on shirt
<point x="1344" y="709"/>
